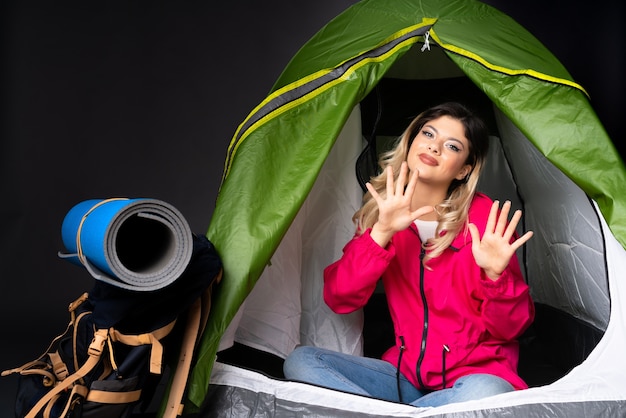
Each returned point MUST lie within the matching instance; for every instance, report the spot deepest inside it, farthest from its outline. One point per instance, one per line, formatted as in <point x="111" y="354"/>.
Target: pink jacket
<point x="465" y="322"/>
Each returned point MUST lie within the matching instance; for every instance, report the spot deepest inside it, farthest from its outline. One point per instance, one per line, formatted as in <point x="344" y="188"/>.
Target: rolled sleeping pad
<point x="136" y="244"/>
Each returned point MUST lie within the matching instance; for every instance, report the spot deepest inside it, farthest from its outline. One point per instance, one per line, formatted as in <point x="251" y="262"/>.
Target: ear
<point x="464" y="172"/>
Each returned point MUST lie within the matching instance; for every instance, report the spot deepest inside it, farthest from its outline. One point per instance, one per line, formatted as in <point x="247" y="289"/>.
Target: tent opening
<point x="563" y="264"/>
<point x="558" y="340"/>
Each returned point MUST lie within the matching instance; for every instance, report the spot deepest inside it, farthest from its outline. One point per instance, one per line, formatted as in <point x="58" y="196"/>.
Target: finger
<point x="389" y="171"/>
<point x="510" y="229"/>
<point x="410" y="188"/>
<point x="493" y="213"/>
<point x="401" y="182"/>
<point x="522" y="240"/>
<point x="502" y="219"/>
<point x="373" y="192"/>
<point x="422" y="211"/>
<point x="474" y="233"/>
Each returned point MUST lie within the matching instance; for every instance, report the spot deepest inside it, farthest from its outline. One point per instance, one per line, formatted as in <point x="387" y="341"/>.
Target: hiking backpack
<point x="110" y="361"/>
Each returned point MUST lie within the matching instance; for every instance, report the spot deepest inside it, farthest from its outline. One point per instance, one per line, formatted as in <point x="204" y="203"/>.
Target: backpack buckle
<point x="97" y="344"/>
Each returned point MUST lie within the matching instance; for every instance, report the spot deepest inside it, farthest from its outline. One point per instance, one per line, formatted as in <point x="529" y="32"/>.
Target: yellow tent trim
<point x="529" y="72"/>
<point x="238" y="140"/>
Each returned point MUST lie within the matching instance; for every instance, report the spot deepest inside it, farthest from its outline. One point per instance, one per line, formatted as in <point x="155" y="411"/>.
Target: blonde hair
<point x="452" y="212"/>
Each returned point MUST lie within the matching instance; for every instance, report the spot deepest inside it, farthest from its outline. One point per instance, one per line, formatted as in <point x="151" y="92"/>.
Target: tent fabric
<point x="286" y="302"/>
<point x="572" y="252"/>
<point x="279" y="150"/>
<point x="239" y="392"/>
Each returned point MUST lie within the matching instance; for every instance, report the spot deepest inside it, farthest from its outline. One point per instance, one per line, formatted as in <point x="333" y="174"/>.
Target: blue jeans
<point x="377" y="378"/>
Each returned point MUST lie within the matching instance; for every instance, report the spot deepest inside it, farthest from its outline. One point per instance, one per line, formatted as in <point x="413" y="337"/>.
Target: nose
<point x="434" y="147"/>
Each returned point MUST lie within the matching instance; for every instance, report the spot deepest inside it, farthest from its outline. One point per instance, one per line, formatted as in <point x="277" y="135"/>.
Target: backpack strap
<point x="151" y="338"/>
<point x="174" y="405"/>
<point x="59" y="368"/>
<point x="102" y="396"/>
<point x="58" y="365"/>
<point x="196" y="321"/>
<point x="76" y="326"/>
<point x="77" y="390"/>
<point x="35" y="367"/>
<point x="95" y="351"/>
<point x="38" y="366"/>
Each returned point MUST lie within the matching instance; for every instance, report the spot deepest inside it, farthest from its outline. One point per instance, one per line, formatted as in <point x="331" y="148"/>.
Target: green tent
<point x="430" y="47"/>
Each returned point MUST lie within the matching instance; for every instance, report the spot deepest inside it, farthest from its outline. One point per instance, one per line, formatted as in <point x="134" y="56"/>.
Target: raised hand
<point x="494" y="251"/>
<point x="394" y="210"/>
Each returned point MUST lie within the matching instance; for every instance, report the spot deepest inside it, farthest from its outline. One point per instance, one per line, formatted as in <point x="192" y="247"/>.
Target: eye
<point x="453" y="147"/>
<point x="428" y="134"/>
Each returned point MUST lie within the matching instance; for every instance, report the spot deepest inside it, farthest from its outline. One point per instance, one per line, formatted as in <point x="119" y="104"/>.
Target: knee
<point x="299" y="360"/>
<point x="496" y="386"/>
<point x="485" y="384"/>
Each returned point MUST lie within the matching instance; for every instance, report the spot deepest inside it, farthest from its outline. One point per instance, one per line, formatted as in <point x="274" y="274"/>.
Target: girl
<point x="446" y="256"/>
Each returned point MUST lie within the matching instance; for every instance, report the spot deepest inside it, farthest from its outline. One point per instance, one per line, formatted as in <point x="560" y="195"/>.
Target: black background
<point x="140" y="99"/>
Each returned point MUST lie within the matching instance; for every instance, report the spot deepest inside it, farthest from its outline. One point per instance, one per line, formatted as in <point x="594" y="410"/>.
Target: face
<point x="440" y="151"/>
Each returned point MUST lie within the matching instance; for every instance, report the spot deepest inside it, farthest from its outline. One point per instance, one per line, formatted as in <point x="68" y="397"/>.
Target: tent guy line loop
<point x="426" y="41"/>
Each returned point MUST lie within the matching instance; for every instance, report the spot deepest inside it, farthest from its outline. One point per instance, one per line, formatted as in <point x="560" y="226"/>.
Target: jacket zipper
<point x="401" y="349"/>
<point x="425" y="330"/>
<point x="444" y="351"/>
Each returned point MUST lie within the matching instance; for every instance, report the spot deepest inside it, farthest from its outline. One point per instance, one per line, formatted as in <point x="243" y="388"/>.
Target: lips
<point x="428" y="160"/>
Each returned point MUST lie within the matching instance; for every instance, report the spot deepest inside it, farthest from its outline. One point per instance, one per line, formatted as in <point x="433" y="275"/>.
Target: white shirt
<point x="426" y="229"/>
